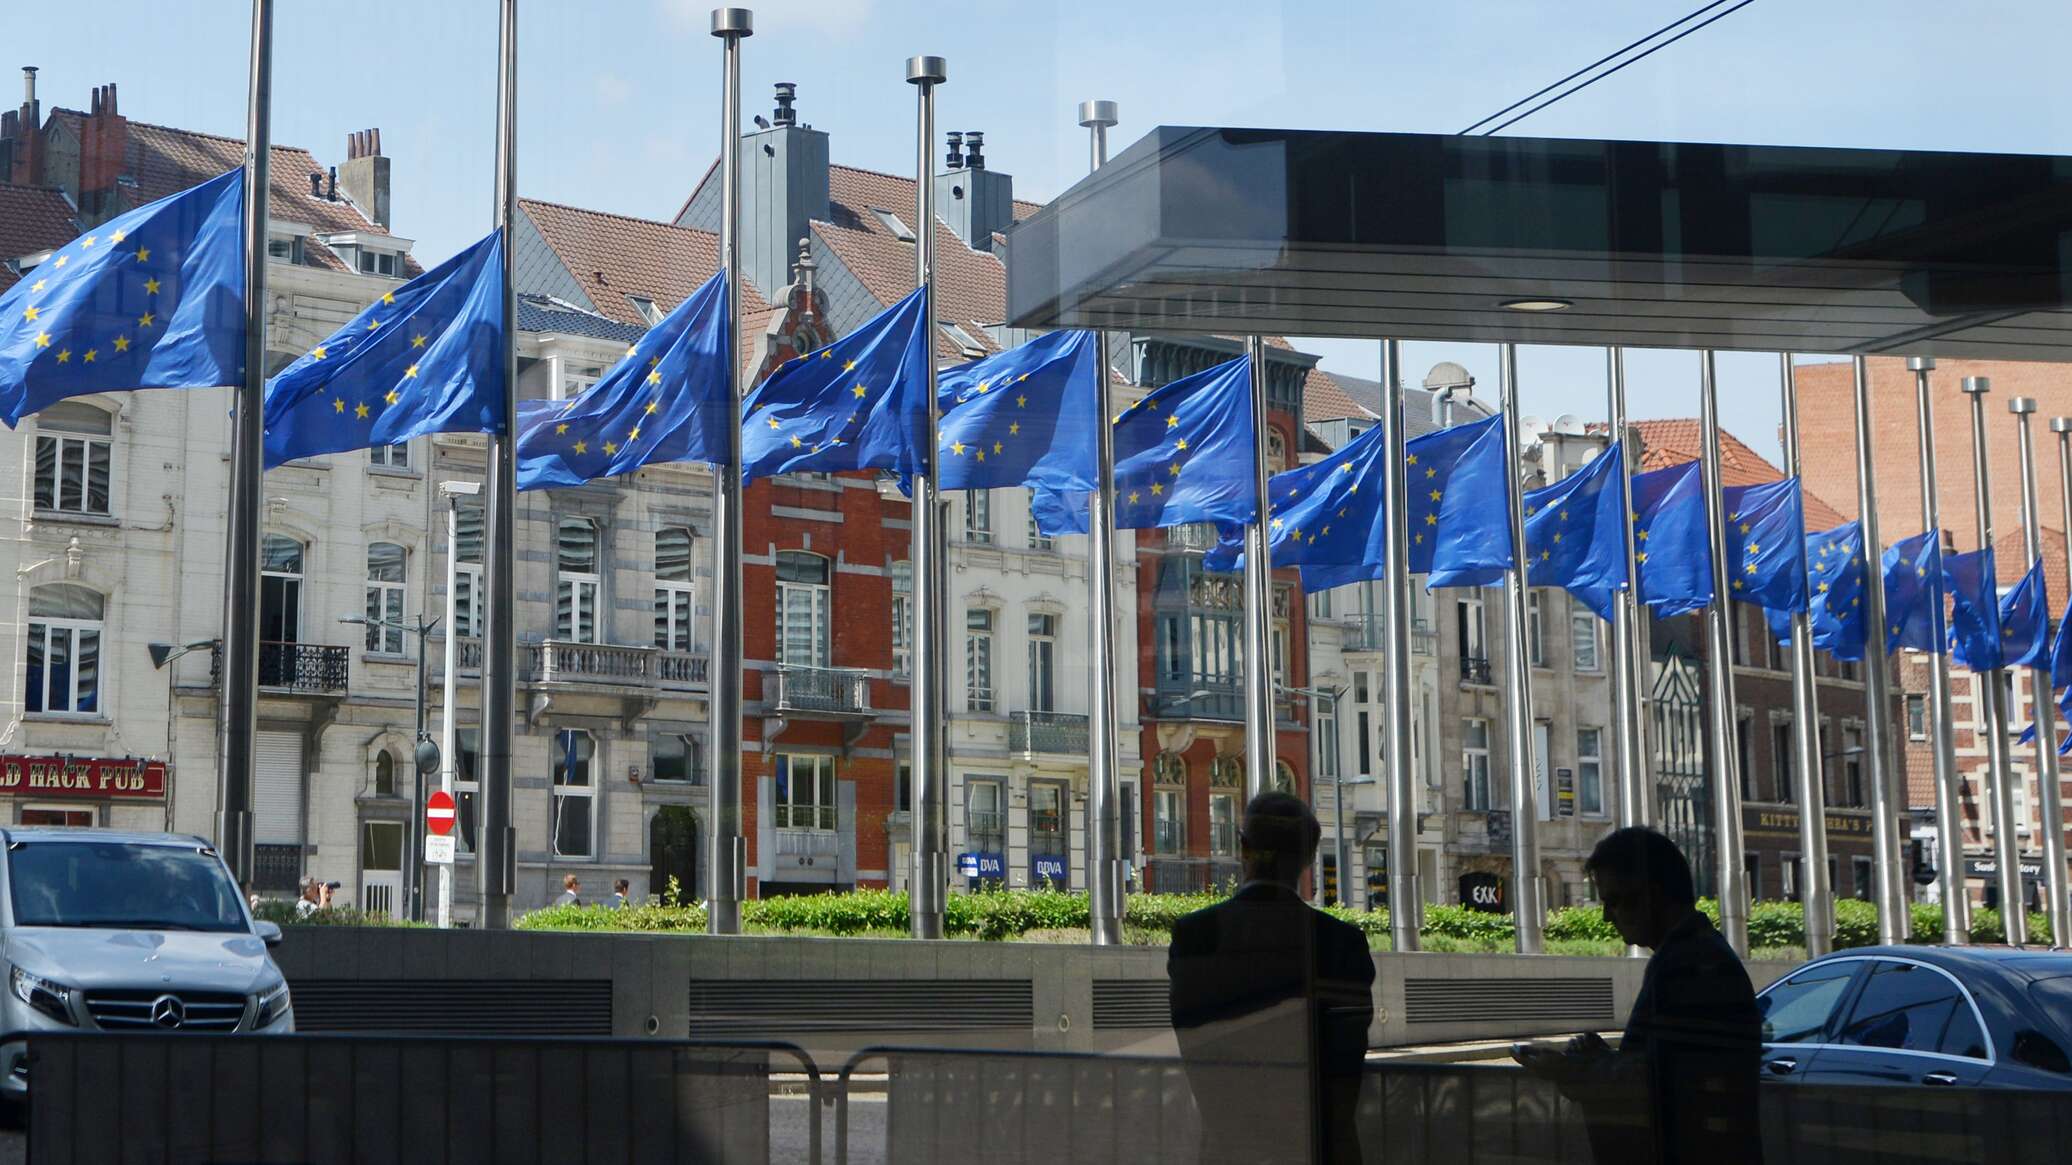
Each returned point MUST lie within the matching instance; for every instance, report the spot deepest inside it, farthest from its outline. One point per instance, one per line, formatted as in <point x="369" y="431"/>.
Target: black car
<point x="1993" y="1017"/>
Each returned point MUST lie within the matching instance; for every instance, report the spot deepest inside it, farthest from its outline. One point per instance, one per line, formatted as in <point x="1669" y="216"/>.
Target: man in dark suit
<point x="1681" y="1089"/>
<point x="1271" y="1001"/>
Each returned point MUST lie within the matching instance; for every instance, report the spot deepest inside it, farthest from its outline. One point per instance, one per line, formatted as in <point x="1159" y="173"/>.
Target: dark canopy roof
<point x="1654" y="244"/>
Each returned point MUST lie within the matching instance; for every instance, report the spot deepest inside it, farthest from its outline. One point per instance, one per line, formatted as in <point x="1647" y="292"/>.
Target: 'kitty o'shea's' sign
<point x="85" y="778"/>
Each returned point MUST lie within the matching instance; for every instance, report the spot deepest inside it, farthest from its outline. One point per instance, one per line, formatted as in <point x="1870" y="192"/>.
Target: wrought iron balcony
<point x="683" y="669"/>
<point x="1365" y="633"/>
<point x="823" y="691"/>
<point x="1060" y="733"/>
<point x="304" y="669"/>
<point x="1474" y="671"/>
<point x="559" y="662"/>
<point x="1176" y="875"/>
<point x="276" y="867"/>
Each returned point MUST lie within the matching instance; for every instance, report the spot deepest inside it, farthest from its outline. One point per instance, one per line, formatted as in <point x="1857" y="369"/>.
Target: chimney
<point x="316" y="183"/>
<point x="955" y="158"/>
<point x="331" y="190"/>
<point x="365" y="176"/>
<point x="103" y="147"/>
<point x="787" y="92"/>
<point x="974" y="201"/>
<point x="28" y="84"/>
<point x="783" y="189"/>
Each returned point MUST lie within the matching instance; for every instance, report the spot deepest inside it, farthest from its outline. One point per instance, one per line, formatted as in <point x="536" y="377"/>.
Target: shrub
<point x="282" y="913"/>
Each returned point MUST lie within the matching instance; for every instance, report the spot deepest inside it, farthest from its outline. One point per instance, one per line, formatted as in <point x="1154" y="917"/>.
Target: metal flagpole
<point x="1104" y="765"/>
<point x="2062" y="426"/>
<point x="1719" y="675"/>
<point x="1525" y="839"/>
<point x="240" y="703"/>
<point x="495" y="865"/>
<point x="1405" y="899"/>
<point x="2000" y="788"/>
<point x="1949" y="819"/>
<point x="1259" y="742"/>
<point x="2050" y="801"/>
<point x="1889" y="867"/>
<point x="727" y="869"/>
<point x="1628" y="713"/>
<point x="931" y="875"/>
<point x="1814" y="884"/>
<point x="449" y="719"/>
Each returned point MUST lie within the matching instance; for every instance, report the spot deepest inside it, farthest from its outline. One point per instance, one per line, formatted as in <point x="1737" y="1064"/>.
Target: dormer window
<point x="377" y="262"/>
<point x="284" y="249"/>
<point x="895" y="224"/>
<point x="647" y="309"/>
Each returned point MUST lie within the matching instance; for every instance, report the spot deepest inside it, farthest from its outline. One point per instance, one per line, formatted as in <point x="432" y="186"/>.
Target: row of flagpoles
<point x="171" y="299"/>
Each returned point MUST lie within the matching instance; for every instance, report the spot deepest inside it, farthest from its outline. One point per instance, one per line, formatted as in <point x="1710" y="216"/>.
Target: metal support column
<point x="2062" y="426"/>
<point x="1949" y="818"/>
<point x="239" y="728"/>
<point x="1815" y="887"/>
<point x="1405" y="898"/>
<point x="1629" y="716"/>
<point x="1525" y="818"/>
<point x="2050" y="800"/>
<point x="727" y="845"/>
<point x="1888" y="789"/>
<point x="1719" y="674"/>
<point x="931" y="826"/>
<point x="2007" y="850"/>
<point x="1259" y="742"/>
<point x="1104" y="762"/>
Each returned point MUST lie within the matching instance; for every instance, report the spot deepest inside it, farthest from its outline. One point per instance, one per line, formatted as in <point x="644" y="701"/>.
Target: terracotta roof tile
<point x="615" y="256"/>
<point x="1324" y="399"/>
<point x="971" y="285"/>
<point x="32" y="219"/>
<point x="1667" y="443"/>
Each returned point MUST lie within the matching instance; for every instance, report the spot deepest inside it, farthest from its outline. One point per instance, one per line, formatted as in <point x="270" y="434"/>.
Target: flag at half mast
<point x="1023" y="417"/>
<point x="1914" y="594"/>
<point x="859" y="403"/>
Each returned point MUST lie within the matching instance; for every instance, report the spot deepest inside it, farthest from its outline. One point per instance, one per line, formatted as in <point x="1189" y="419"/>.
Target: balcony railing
<point x="1223" y="839"/>
<point x="1060" y="733"/>
<point x="1364" y="633"/>
<point x="838" y="691"/>
<point x="1474" y="671"/>
<point x="1176" y="875"/>
<point x="303" y="668"/>
<point x="683" y="669"/>
<point x="559" y="662"/>
<point x="276" y="867"/>
<point x="1192" y="536"/>
<point x="1219" y="699"/>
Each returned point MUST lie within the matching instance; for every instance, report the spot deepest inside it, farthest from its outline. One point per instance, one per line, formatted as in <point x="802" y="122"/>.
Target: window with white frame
<point x="1852" y="766"/>
<point x="1043" y="662"/>
<point x="280" y="589"/>
<point x="1327" y="740"/>
<point x="978" y="660"/>
<point x="675" y="756"/>
<point x="1590" y="771"/>
<point x="1917" y="716"/>
<point x="978" y="515"/>
<point x="902" y="618"/>
<point x="1223" y="825"/>
<point x="385" y="597"/>
<point x="64" y="650"/>
<point x="467" y="571"/>
<point x="985" y="815"/>
<point x="1038" y="540"/>
<point x="1471" y="631"/>
<point x="577" y="582"/>
<point x="674" y="594"/>
<point x="1169" y="805"/>
<point x="74" y="449"/>
<point x="392" y="456"/>
<point x="805" y="791"/>
<point x="466" y="787"/>
<point x="1582" y="633"/>
<point x="1535" y="637"/>
<point x="1474" y="749"/>
<point x="1363" y="725"/>
<point x="803" y="628"/>
<point x="575" y="794"/>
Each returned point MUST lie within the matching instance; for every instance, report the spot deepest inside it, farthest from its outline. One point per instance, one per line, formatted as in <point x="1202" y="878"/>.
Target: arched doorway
<point x="673" y="852"/>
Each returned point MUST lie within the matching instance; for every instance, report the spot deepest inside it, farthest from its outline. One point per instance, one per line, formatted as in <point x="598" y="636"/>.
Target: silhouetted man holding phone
<point x="1271" y="1001"/>
<point x="1681" y="1088"/>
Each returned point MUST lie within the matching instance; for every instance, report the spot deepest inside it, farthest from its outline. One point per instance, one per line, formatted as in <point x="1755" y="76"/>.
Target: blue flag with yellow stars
<point x="1670" y="542"/>
<point x="1974" y="609"/>
<point x="2025" y="622"/>
<point x="1914" y="594"/>
<point x="1182" y="454"/>
<point x="1325" y="518"/>
<point x="1575" y="534"/>
<point x="1835" y="572"/>
<point x="1021" y="418"/>
<point x="149" y="299"/>
<point x="1460" y="526"/>
<point x="859" y="403"/>
<point x="2061" y="656"/>
<point x="424" y="358"/>
<point x="665" y="400"/>
<point x="1766" y="544"/>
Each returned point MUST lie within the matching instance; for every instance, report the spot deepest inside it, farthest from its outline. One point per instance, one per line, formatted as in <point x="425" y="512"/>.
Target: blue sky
<point x="618" y="98"/>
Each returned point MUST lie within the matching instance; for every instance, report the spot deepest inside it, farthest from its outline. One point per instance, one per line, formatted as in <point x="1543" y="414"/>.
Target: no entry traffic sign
<point x="438" y="812"/>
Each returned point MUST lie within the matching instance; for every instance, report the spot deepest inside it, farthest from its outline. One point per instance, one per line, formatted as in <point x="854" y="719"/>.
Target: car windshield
<point x="115" y="884"/>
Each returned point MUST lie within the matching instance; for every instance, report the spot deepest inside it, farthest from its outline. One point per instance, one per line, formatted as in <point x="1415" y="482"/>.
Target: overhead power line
<point x="1612" y="56"/>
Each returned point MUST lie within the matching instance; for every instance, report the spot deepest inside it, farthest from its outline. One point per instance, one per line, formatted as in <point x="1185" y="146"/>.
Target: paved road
<point x="14" y="1147"/>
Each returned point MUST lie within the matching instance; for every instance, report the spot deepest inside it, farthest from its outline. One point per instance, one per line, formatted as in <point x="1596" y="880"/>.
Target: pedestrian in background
<point x="619" y="889"/>
<point x="571" y="891"/>
<point x="306" y="905"/>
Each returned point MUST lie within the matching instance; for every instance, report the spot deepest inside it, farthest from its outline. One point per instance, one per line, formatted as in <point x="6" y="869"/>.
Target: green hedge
<point x="1006" y="914"/>
<point x="282" y="912"/>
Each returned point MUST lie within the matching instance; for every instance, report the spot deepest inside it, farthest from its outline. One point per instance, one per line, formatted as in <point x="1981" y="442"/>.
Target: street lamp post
<point x="424" y="757"/>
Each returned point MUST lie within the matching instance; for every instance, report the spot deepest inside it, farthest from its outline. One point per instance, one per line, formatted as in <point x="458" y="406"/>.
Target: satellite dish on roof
<point x="1569" y="425"/>
<point x="1530" y="430"/>
<point x="1447" y="374"/>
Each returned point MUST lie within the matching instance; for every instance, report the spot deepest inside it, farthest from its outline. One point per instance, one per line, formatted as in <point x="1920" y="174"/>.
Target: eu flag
<point x="2061" y="655"/>
<point x="1325" y="518"/>
<point x="149" y="299"/>
<point x="2025" y="622"/>
<point x="1914" y="594"/>
<point x="1834" y="562"/>
<point x="859" y="403"/>
<point x="1766" y="544"/>
<point x="1575" y="533"/>
<point x="1022" y="418"/>
<point x="424" y="358"/>
<point x="1182" y="454"/>
<point x="1460" y="524"/>
<point x="665" y="400"/>
<point x="1974" y="609"/>
<point x="1670" y="541"/>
